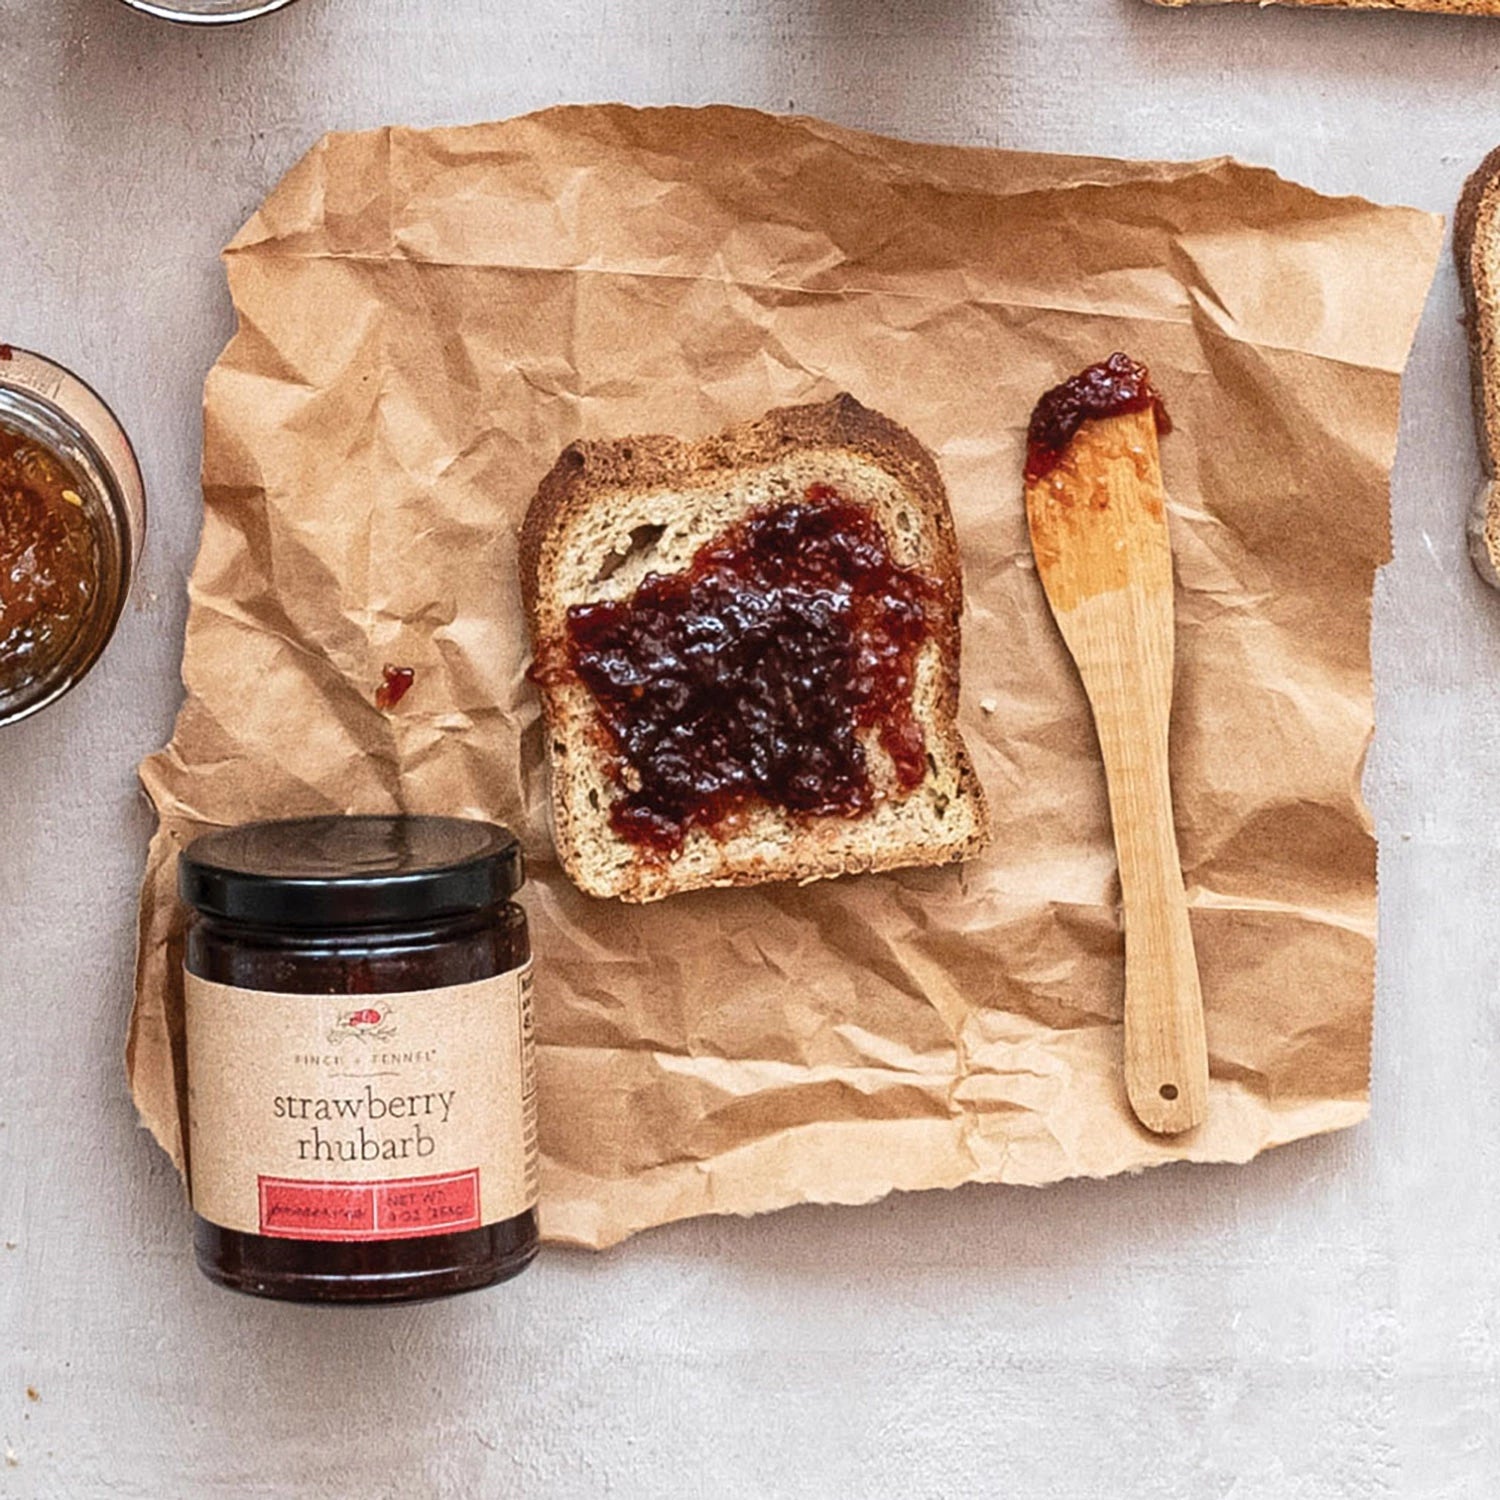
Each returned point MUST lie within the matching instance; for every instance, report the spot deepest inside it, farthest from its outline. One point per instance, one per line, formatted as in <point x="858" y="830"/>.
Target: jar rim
<point x="52" y="405"/>
<point x="350" y="870"/>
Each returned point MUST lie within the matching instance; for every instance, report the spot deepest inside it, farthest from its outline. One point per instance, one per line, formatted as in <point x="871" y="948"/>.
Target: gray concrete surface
<point x="1322" y="1323"/>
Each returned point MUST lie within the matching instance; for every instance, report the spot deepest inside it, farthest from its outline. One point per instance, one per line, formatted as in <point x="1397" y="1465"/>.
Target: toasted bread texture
<point x="1476" y="248"/>
<point x="609" y="513"/>
<point x="1449" y="7"/>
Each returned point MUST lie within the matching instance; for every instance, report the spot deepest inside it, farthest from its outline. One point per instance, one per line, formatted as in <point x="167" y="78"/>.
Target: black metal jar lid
<point x="351" y="871"/>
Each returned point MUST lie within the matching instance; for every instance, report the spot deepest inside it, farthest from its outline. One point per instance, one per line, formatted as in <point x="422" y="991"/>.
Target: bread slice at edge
<point x="1476" y="249"/>
<point x="667" y="476"/>
<point x="1436" y="7"/>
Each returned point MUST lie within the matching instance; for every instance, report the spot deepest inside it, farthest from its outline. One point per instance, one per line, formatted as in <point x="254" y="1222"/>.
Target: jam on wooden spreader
<point x="1113" y="386"/>
<point x="1096" y="511"/>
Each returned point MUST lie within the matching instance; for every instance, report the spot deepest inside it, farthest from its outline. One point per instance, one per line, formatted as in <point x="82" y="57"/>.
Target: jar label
<point x="362" y="1117"/>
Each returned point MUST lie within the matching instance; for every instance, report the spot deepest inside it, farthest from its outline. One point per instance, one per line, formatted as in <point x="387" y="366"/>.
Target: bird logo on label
<point x="368" y="1023"/>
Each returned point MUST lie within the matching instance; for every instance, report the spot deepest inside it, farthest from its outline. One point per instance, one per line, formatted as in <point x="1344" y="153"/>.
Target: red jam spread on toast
<point x="747" y="677"/>
<point x="1116" y="385"/>
<point x="49" y="560"/>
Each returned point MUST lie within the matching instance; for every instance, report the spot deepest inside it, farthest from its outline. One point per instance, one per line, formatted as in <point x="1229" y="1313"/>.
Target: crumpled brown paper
<point x="427" y="317"/>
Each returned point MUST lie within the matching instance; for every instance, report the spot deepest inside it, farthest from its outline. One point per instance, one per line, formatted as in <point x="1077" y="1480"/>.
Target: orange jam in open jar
<point x="72" y="515"/>
<point x="49" y="558"/>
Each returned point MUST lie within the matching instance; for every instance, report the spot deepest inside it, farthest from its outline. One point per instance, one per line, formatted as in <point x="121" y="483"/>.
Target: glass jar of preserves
<point x="360" y="1074"/>
<point x="72" y="520"/>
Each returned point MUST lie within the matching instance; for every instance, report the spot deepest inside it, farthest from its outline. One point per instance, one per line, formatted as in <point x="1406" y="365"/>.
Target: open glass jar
<point x="361" y="1097"/>
<point x="72" y="520"/>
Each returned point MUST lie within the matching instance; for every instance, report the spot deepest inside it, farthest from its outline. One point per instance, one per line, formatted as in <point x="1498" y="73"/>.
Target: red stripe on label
<point x="399" y="1208"/>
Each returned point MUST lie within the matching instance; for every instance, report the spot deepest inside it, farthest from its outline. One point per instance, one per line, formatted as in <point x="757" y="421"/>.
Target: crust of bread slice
<point x="611" y="511"/>
<point x="1445" y="7"/>
<point x="1476" y="248"/>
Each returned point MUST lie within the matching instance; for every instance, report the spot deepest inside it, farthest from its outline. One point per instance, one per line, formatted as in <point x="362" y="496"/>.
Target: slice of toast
<point x="1476" y="248"/>
<point x="1449" y="7"/>
<point x="610" y="514"/>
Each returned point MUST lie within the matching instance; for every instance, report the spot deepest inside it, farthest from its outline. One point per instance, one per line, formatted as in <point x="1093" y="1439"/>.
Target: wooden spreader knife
<point x="1097" y="514"/>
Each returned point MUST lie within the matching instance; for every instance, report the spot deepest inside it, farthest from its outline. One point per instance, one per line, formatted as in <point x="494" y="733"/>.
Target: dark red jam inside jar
<point x="362" y="1123"/>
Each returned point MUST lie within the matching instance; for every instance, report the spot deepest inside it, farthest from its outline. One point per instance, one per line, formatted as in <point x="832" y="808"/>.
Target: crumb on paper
<point x="12" y="1458"/>
<point x="32" y="1394"/>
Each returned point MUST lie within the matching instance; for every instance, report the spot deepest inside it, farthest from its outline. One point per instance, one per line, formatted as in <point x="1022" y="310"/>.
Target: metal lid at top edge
<point x="214" y="13"/>
<point x="350" y="871"/>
